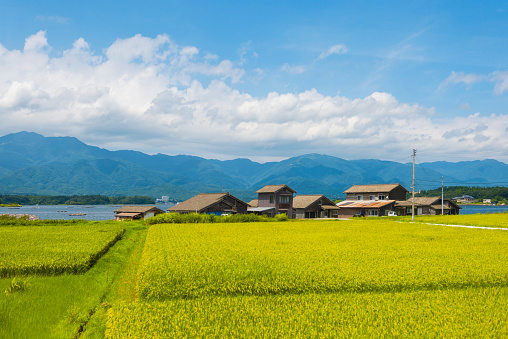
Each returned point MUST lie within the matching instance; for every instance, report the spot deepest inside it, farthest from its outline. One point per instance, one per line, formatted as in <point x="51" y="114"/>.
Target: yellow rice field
<point x="358" y="278"/>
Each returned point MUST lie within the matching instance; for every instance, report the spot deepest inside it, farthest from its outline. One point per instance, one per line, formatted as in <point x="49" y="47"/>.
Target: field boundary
<point x="463" y="226"/>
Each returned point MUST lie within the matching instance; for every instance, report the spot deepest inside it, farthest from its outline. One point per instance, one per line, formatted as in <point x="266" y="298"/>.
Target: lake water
<point x="92" y="212"/>
<point x="482" y="209"/>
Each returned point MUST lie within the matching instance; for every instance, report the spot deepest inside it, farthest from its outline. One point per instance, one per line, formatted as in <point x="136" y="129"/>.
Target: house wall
<point x="264" y="201"/>
<point x="217" y="208"/>
<point x="240" y="208"/>
<point x="299" y="213"/>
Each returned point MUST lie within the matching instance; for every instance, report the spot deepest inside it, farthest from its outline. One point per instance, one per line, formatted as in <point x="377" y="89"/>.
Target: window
<point x="381" y="197"/>
<point x="373" y="213"/>
<point x="372" y="197"/>
<point x="320" y="202"/>
<point x="360" y="197"/>
<point x="284" y="199"/>
<point x="271" y="199"/>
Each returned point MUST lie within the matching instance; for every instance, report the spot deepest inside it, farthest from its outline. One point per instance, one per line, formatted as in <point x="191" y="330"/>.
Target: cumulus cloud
<point x="144" y="94"/>
<point x="336" y="49"/>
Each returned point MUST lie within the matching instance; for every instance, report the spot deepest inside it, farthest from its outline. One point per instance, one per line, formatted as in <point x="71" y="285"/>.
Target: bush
<point x="195" y="218"/>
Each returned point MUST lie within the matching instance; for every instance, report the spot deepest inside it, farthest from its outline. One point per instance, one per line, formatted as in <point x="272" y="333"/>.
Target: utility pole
<point x="442" y="197"/>
<point x="413" y="187"/>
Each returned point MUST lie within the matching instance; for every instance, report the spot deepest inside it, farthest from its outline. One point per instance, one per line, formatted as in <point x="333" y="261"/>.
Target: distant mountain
<point x="33" y="164"/>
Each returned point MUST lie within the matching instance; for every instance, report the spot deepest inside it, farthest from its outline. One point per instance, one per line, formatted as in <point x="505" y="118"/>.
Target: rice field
<point x="358" y="278"/>
<point x="189" y="261"/>
<point x="442" y="313"/>
<point x="54" y="249"/>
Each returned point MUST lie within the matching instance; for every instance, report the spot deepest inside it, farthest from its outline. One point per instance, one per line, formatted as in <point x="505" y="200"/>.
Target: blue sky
<point x="262" y="80"/>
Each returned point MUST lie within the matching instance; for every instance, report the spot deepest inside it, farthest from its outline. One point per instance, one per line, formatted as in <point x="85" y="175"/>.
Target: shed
<point x="136" y="212"/>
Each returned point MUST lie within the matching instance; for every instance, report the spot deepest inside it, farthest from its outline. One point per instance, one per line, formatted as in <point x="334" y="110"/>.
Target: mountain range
<point x="33" y="164"/>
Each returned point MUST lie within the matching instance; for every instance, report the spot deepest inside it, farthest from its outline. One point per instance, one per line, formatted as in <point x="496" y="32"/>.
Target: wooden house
<point x="136" y="212"/>
<point x="314" y="206"/>
<point x="368" y="208"/>
<point x="427" y="206"/>
<point x="273" y="200"/>
<point x="211" y="203"/>
<point x="376" y="192"/>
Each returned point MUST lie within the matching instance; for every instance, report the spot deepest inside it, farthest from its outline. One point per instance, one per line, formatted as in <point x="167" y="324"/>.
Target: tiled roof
<point x="274" y="188"/>
<point x="138" y="209"/>
<point x="303" y="201"/>
<point x="364" y="203"/>
<point x="253" y="203"/>
<point x="379" y="188"/>
<point x="202" y="201"/>
<point x="420" y="201"/>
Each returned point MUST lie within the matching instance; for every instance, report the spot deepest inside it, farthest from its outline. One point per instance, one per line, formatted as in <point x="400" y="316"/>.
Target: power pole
<point x="442" y="197"/>
<point x="413" y="187"/>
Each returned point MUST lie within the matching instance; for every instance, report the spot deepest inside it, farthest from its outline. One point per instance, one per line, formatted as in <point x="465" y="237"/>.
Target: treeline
<point x="494" y="193"/>
<point x="74" y="200"/>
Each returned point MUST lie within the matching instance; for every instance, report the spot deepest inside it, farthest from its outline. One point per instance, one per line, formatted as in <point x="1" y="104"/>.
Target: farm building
<point x="211" y="203"/>
<point x="427" y="206"/>
<point x="314" y="206"/>
<point x="136" y="212"/>
<point x="376" y="192"/>
<point x="273" y="200"/>
<point x="369" y="208"/>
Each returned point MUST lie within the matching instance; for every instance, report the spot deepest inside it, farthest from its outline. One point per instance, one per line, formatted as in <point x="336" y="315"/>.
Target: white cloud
<point x="293" y="69"/>
<point x="501" y="80"/>
<point x="143" y="94"/>
<point x="336" y="49"/>
<point x="460" y="77"/>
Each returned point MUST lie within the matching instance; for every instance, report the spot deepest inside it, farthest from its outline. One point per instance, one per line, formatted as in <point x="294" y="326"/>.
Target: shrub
<point x="196" y="218"/>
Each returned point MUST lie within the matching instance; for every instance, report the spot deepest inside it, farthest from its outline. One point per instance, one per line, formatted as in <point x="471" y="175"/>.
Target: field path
<point x="464" y="226"/>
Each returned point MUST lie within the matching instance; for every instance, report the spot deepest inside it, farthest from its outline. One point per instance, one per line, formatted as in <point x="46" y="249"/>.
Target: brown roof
<point x="379" y="188"/>
<point x="254" y="203"/>
<point x="425" y="201"/>
<point x="304" y="201"/>
<point x="128" y="215"/>
<point x="274" y="189"/>
<point x="138" y="209"/>
<point x="202" y="201"/>
<point x="364" y="203"/>
<point x="420" y="201"/>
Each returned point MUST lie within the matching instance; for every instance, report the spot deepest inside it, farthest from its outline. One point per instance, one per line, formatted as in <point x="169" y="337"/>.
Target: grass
<point x="61" y="306"/>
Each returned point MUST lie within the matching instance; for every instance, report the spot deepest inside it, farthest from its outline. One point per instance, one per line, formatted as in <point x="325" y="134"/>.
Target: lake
<point x="482" y="209"/>
<point x="92" y="212"/>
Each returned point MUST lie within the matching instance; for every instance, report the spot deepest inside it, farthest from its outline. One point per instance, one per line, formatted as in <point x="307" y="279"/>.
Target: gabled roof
<point x="364" y="203"/>
<point x="378" y="188"/>
<point x="254" y="203"/>
<point x="204" y="200"/>
<point x="138" y="209"/>
<point x="425" y="201"/>
<point x="420" y="201"/>
<point x="304" y="201"/>
<point x="274" y="189"/>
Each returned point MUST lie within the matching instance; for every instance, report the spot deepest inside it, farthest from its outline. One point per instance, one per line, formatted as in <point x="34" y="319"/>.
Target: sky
<point x="264" y="80"/>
